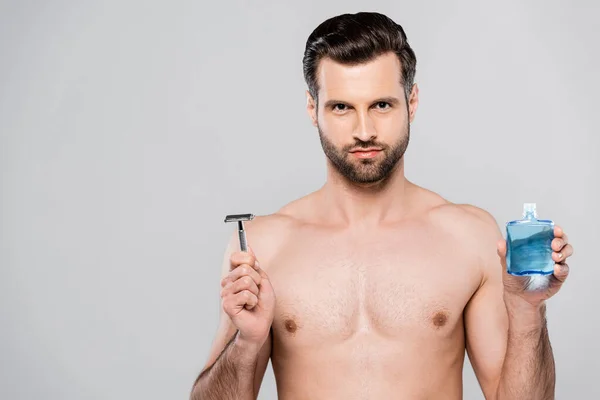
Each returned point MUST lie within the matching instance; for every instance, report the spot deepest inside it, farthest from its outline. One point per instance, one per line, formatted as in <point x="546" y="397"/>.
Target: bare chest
<point x="332" y="287"/>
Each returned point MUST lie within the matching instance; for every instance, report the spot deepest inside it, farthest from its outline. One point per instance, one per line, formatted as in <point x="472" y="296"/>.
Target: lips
<point x="361" y="150"/>
<point x="366" y="153"/>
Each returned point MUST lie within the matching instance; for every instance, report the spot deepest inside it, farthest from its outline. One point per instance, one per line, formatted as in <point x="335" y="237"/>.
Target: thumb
<point x="256" y="265"/>
<point x="258" y="269"/>
<point x="501" y="249"/>
<point x="266" y="289"/>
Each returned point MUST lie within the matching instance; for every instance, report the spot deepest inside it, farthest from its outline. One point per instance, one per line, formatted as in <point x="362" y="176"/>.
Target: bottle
<point x="529" y="244"/>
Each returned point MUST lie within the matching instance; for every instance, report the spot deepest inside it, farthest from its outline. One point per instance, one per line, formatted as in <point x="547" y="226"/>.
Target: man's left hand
<point x="536" y="289"/>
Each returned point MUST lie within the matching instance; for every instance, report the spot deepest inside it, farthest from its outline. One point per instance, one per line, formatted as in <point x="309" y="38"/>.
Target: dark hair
<point x="354" y="39"/>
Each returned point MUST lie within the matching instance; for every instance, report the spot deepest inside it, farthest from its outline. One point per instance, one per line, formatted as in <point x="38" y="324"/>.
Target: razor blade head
<point x="239" y="217"/>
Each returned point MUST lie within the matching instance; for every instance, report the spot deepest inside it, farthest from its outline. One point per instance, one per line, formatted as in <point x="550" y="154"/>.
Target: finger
<point x="262" y="273"/>
<point x="561" y="272"/>
<point x="245" y="283"/>
<point x="557" y="244"/>
<point x="501" y="248"/>
<point x="241" y="257"/>
<point x="558" y="232"/>
<point x="242" y="270"/>
<point x="234" y="303"/>
<point x="256" y="263"/>
<point x="565" y="252"/>
<point x="246" y="299"/>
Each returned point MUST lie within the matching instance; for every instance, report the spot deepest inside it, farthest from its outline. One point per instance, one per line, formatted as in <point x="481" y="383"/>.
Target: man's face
<point x="363" y="117"/>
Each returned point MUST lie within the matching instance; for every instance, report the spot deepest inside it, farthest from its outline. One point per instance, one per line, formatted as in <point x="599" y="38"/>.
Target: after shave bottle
<point x="529" y="244"/>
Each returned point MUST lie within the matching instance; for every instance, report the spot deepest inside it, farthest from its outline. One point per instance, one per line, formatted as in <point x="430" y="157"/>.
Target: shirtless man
<point x="373" y="287"/>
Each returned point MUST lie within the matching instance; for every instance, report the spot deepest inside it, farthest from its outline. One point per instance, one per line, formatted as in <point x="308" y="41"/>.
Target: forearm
<point x="528" y="370"/>
<point x="231" y="377"/>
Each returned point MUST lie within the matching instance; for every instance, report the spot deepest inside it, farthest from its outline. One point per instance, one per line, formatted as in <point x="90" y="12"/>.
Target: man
<point x="373" y="287"/>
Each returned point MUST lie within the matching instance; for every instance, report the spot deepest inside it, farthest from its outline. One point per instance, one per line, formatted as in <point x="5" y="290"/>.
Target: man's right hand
<point x="248" y="298"/>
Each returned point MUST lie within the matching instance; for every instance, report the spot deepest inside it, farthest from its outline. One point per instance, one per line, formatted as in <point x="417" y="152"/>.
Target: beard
<point x="365" y="170"/>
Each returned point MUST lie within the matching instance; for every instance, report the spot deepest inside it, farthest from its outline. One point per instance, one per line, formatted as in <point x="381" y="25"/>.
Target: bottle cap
<point x="529" y="209"/>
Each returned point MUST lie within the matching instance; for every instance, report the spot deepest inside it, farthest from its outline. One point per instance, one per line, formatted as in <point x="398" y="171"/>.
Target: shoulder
<point x="475" y="230"/>
<point x="475" y="233"/>
<point x="465" y="222"/>
<point x="465" y="219"/>
<point x="445" y="212"/>
<point x="268" y="233"/>
<point x="281" y="221"/>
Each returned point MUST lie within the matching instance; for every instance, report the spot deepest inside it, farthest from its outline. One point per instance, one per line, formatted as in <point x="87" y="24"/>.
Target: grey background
<point x="130" y="128"/>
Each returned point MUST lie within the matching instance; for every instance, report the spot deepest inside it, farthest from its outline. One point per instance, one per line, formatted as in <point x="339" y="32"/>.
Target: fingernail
<point x="256" y="264"/>
<point x="560" y="255"/>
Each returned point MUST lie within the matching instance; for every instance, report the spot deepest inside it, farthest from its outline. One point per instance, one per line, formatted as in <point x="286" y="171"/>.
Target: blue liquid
<point x="529" y="250"/>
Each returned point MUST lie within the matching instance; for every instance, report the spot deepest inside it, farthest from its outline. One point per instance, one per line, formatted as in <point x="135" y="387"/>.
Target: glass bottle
<point x="529" y="244"/>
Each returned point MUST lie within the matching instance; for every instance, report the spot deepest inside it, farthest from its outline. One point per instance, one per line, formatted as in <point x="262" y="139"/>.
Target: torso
<point x="369" y="314"/>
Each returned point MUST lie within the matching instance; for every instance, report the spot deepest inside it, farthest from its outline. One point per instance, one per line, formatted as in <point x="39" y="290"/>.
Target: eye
<point x="383" y="105"/>
<point x="340" y="107"/>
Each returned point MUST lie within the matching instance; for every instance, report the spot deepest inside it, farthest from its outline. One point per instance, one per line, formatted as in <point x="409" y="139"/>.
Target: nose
<point x="364" y="129"/>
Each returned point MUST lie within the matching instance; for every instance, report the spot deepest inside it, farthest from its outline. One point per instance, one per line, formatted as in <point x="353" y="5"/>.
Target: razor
<point x="240" y="218"/>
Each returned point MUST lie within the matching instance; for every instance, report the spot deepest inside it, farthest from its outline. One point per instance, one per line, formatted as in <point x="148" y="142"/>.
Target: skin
<point x="375" y="289"/>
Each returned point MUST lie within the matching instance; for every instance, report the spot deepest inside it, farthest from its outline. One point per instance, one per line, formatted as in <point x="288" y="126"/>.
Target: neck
<point x="351" y="203"/>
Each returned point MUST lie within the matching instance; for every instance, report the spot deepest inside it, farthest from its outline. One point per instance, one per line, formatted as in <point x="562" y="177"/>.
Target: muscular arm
<point x="507" y="342"/>
<point x="236" y="374"/>
<point x="528" y="369"/>
<point x="234" y="369"/>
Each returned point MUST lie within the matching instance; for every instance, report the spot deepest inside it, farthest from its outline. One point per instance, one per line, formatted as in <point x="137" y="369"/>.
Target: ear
<point x="413" y="102"/>
<point x="311" y="108"/>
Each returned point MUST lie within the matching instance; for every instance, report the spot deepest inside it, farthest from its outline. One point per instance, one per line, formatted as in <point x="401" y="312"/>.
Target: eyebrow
<point x="390" y="99"/>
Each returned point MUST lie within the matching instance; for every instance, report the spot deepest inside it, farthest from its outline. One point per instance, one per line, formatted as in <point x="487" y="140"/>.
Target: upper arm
<point x="226" y="330"/>
<point x="486" y="321"/>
